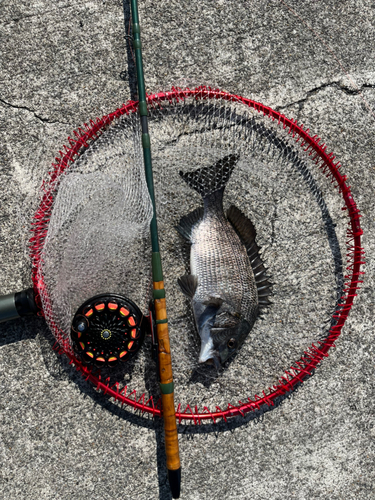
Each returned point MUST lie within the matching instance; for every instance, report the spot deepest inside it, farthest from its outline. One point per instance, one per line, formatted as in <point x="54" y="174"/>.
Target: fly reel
<point x="107" y="329"/>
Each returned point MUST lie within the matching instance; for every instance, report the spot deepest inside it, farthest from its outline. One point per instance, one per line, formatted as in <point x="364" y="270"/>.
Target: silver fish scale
<point x="219" y="260"/>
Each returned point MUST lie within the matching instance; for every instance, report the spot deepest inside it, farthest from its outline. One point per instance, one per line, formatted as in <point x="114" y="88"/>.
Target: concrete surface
<point x="66" y="62"/>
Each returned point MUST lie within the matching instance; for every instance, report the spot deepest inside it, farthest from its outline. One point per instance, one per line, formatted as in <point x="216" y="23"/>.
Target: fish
<point x="227" y="285"/>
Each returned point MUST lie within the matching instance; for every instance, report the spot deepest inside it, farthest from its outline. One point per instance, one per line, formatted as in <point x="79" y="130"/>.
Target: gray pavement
<point x="64" y="63"/>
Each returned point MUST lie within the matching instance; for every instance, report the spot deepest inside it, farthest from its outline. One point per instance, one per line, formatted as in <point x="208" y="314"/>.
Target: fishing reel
<point x="108" y="329"/>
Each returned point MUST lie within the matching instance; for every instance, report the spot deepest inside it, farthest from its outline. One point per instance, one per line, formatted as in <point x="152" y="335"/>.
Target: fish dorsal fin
<point x="243" y="226"/>
<point x="188" y="284"/>
<point x="187" y="222"/>
<point x="246" y="231"/>
<point x="208" y="180"/>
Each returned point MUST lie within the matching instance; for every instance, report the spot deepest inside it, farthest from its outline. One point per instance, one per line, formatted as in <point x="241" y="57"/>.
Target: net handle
<point x="16" y="305"/>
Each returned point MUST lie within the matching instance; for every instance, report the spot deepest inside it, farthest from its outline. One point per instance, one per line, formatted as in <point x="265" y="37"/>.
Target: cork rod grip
<point x="166" y="382"/>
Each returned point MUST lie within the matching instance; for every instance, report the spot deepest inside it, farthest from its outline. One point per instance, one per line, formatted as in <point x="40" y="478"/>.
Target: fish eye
<point x="231" y="343"/>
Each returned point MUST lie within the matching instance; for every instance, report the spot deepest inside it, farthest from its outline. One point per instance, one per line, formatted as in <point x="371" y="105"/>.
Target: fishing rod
<point x="164" y="352"/>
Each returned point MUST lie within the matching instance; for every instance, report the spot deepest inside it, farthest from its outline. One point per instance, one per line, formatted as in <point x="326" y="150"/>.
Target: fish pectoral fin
<point x="187" y="222"/>
<point x="188" y="284"/>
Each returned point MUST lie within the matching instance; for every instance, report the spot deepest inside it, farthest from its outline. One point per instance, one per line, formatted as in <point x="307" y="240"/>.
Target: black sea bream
<point x="228" y="283"/>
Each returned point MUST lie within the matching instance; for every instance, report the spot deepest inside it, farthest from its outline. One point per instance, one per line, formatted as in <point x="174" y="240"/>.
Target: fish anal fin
<point x="188" y="284"/>
<point x="187" y="222"/>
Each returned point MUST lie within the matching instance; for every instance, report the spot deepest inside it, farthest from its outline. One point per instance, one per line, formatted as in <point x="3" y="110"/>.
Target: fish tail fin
<point x="208" y="180"/>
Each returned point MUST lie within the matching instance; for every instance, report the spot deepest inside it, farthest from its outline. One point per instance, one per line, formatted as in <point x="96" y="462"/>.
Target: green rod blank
<point x="144" y="124"/>
<point x="165" y="365"/>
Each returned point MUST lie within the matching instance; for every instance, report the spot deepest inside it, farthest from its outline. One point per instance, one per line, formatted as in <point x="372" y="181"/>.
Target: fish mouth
<point x="214" y="361"/>
<point x="209" y="356"/>
<point x="207" y="348"/>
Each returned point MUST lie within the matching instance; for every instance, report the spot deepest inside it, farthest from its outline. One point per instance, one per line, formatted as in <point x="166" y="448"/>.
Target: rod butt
<point x="174" y="478"/>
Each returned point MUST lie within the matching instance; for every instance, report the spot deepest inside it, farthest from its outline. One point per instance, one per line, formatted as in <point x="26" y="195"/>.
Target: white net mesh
<point x="96" y="238"/>
<point x="99" y="224"/>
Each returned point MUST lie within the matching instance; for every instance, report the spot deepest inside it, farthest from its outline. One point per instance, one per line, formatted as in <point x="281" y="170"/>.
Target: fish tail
<point x="208" y="180"/>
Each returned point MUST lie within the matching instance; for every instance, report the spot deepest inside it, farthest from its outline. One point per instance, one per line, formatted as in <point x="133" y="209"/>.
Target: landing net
<point x="91" y="236"/>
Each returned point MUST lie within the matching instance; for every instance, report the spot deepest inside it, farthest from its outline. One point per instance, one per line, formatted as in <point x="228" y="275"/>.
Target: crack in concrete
<point x="43" y="120"/>
<point x="273" y="220"/>
<point x="335" y="84"/>
<point x="19" y="17"/>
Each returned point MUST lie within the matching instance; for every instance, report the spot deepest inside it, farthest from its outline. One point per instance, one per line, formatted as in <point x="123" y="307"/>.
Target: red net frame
<point x="309" y="361"/>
